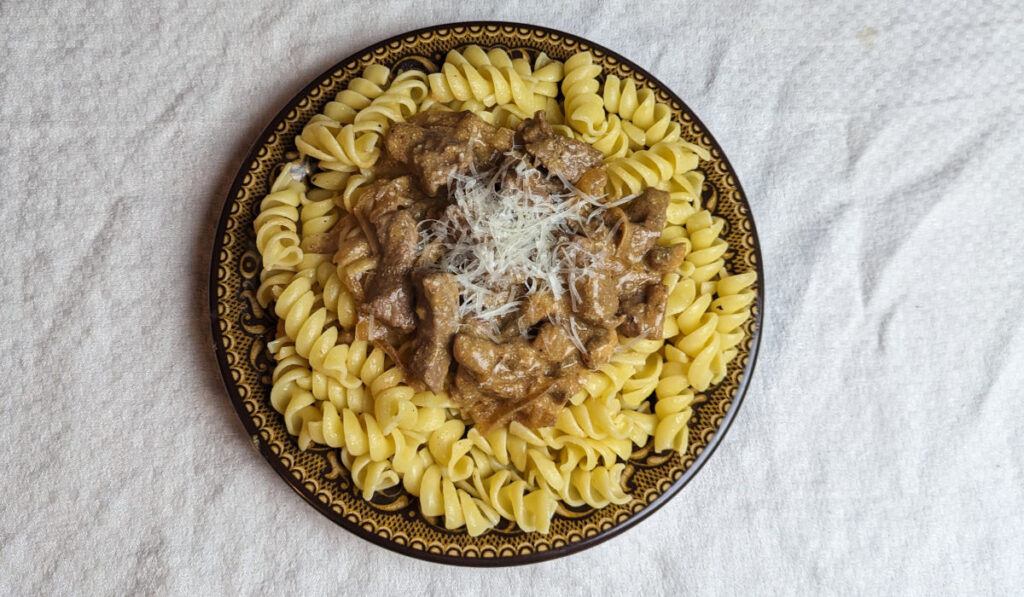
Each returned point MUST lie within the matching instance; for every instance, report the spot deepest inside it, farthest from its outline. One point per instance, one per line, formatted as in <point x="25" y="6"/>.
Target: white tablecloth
<point x="880" y="446"/>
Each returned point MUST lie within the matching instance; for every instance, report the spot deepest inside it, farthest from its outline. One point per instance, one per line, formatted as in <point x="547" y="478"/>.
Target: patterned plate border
<point x="234" y="314"/>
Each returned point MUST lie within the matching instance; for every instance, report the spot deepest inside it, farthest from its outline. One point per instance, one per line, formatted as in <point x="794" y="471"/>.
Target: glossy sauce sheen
<point x="527" y="363"/>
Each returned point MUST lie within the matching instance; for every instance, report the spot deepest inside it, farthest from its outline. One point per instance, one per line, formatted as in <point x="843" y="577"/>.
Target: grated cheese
<point x="504" y="242"/>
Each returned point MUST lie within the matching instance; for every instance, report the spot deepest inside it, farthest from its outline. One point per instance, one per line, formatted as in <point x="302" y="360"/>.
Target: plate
<point x="241" y="328"/>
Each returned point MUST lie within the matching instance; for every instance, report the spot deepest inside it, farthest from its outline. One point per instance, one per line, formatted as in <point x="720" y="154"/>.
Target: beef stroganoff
<point x="493" y="283"/>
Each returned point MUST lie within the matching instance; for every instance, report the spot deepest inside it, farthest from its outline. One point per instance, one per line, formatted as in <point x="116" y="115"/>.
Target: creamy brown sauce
<point x="526" y="362"/>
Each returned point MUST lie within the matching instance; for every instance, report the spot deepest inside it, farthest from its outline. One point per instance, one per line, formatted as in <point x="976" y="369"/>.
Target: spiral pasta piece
<point x="618" y="140"/>
<point x="319" y="214"/>
<point x="359" y="433"/>
<point x="674" y="406"/>
<point x="440" y="497"/>
<point x="400" y="101"/>
<point x="346" y="139"/>
<point x="657" y="125"/>
<point x="336" y="297"/>
<point x="699" y="340"/>
<point x="547" y="74"/>
<point x="514" y="499"/>
<point x="290" y="391"/>
<point x="330" y="180"/>
<point x="327" y="389"/>
<point x="584" y="108"/>
<point x="732" y="305"/>
<point x="588" y="453"/>
<point x="358" y="95"/>
<point x="708" y="247"/>
<point x="622" y="98"/>
<point x="392" y="399"/>
<point x="305" y="327"/>
<point x="496" y="57"/>
<point x="651" y="120"/>
<point x="642" y="424"/>
<point x="542" y="470"/>
<point x="603" y="383"/>
<point x="338" y="147"/>
<point x="276" y="224"/>
<point x="593" y="418"/>
<point x="650" y="167"/>
<point x="641" y="385"/>
<point x="272" y="282"/>
<point x="369" y="475"/>
<point x="486" y="83"/>
<point x="509" y="445"/>
<point x="596" y="488"/>
<point x="291" y="374"/>
<point x="450" y="450"/>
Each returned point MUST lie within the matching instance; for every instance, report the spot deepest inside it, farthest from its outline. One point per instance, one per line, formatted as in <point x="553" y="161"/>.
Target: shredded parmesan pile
<point x="504" y="242"/>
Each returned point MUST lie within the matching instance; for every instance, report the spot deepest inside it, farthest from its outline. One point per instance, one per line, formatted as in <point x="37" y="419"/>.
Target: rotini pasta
<point x="673" y="407"/>
<point x="547" y="73"/>
<point x="596" y="488"/>
<point x="584" y="108"/>
<point x="651" y="167"/>
<point x="358" y="95"/>
<point x="650" y="121"/>
<point x="334" y="388"/>
<point x="462" y="80"/>
<point x="369" y="475"/>
<point x="440" y="497"/>
<point x="338" y="147"/>
<point x="277" y="223"/>
<point x="514" y="499"/>
<point x="618" y="140"/>
<point x="400" y="101"/>
<point x="319" y="215"/>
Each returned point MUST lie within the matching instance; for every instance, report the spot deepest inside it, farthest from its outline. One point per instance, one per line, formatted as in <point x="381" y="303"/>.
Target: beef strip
<point x="600" y="343"/>
<point x="598" y="297"/>
<point x="477" y="355"/>
<point x="349" y="250"/>
<point x="644" y="312"/>
<point x="648" y="209"/>
<point x="321" y="243"/>
<point x="539" y="306"/>
<point x="383" y="197"/>
<point x="435" y="144"/>
<point x="593" y="182"/>
<point x="560" y="155"/>
<point x="553" y="343"/>
<point x="536" y="185"/>
<point x="437" y="314"/>
<point x="538" y="408"/>
<point x="517" y="379"/>
<point x="389" y="295"/>
<point x="488" y="143"/>
<point x="666" y="259"/>
<point x="638" y="224"/>
<point x="506" y="370"/>
<point x="542" y="409"/>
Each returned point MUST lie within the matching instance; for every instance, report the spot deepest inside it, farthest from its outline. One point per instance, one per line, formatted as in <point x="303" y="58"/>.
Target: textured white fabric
<point x="880" y="447"/>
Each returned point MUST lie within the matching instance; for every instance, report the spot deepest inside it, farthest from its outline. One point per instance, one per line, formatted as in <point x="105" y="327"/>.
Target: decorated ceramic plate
<point x="427" y="454"/>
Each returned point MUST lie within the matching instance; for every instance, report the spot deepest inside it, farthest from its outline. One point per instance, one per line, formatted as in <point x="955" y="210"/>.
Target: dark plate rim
<point x="519" y="559"/>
